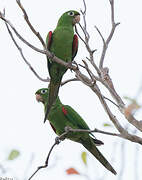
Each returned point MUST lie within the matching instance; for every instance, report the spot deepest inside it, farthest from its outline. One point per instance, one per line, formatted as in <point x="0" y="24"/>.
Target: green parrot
<point x="61" y="116"/>
<point x="63" y="44"/>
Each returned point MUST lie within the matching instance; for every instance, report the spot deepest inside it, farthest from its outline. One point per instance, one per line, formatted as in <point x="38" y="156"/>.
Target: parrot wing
<point x="74" y="46"/>
<point x="77" y="121"/>
<point x="48" y="44"/>
<point x="74" y="117"/>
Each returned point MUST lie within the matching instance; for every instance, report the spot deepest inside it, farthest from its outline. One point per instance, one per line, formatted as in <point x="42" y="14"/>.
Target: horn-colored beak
<point x="39" y="98"/>
<point x="76" y="19"/>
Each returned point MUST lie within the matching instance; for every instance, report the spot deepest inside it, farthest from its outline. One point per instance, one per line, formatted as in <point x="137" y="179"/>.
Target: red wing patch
<point x="49" y="40"/>
<point x="74" y="45"/>
<point x="64" y="111"/>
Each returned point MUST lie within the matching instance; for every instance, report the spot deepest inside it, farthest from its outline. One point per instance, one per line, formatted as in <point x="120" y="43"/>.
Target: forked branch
<point x="63" y="137"/>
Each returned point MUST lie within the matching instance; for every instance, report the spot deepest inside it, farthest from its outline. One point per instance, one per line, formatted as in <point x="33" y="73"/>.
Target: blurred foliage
<point x="132" y="107"/>
<point x="71" y="171"/>
<point x="13" y="154"/>
<point x="84" y="157"/>
<point x="107" y="125"/>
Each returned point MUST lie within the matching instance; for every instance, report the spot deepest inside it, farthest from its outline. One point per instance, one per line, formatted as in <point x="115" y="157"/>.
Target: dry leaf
<point x="71" y="171"/>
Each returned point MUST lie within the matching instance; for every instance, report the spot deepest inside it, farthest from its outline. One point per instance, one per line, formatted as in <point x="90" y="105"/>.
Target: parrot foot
<point x="67" y="129"/>
<point x="72" y="63"/>
<point x="75" y="63"/>
<point x="57" y="140"/>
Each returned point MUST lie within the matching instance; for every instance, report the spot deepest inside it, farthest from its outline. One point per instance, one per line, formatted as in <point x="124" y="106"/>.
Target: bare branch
<point x="48" y="53"/>
<point x="69" y="80"/>
<point x="85" y="7"/>
<point x="80" y="36"/>
<point x="121" y="105"/>
<point x="20" y="37"/>
<point x="111" y="101"/>
<point x="132" y="120"/>
<point x="91" y="60"/>
<point x="106" y="43"/>
<point x="25" y="60"/>
<point x="30" y="25"/>
<point x="87" y="37"/>
<point x="113" y="118"/>
<point x="84" y="29"/>
<point x="104" y="77"/>
<point x="107" y="82"/>
<point x="63" y="136"/>
<point x="57" y="141"/>
<point x="69" y="129"/>
<point x="91" y="52"/>
<point x="47" y="159"/>
<point x="101" y="35"/>
<point x="89" y="71"/>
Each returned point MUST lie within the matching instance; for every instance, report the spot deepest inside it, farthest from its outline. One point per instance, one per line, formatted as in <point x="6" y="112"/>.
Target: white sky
<point x="22" y="117"/>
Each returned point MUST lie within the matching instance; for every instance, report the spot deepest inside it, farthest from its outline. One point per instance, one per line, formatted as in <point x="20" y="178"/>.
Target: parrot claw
<point x="75" y="63"/>
<point x="67" y="129"/>
<point x="72" y="63"/>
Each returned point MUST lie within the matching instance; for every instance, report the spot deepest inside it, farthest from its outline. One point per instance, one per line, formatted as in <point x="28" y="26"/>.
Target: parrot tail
<point x="90" y="146"/>
<point x="98" y="142"/>
<point x="52" y="96"/>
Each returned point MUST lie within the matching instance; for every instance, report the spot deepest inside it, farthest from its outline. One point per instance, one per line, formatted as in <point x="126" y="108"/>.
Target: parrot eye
<point x="43" y="91"/>
<point x="71" y="13"/>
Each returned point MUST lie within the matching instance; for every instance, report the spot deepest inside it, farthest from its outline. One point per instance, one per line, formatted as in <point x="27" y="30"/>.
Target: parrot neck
<point x="65" y="23"/>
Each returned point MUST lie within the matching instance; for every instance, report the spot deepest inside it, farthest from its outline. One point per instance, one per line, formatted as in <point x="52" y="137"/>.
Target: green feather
<point x="61" y="116"/>
<point x="61" y="46"/>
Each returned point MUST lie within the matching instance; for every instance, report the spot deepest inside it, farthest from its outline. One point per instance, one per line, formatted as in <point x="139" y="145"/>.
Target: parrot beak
<point x="76" y="19"/>
<point x="39" y="98"/>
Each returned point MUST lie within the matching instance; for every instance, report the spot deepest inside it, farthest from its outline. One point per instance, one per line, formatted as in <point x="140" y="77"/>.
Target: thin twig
<point x="80" y="36"/>
<point x="111" y="101"/>
<point x="85" y="7"/>
<point x="69" y="80"/>
<point x="25" y="60"/>
<point x="89" y="71"/>
<point x="124" y="133"/>
<point x="30" y="25"/>
<point x="48" y="53"/>
<point x="106" y="43"/>
<point x="100" y="35"/>
<point x="87" y="37"/>
<point x="69" y="129"/>
<point x="84" y="29"/>
<point x="91" y="60"/>
<point x="63" y="136"/>
<point x="20" y="37"/>
<point x="47" y="159"/>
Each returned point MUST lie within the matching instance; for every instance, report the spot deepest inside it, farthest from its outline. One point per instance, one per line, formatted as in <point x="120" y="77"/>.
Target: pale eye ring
<point x="71" y="13"/>
<point x="43" y="91"/>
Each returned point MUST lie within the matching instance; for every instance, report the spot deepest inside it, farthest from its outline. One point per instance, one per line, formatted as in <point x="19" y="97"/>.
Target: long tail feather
<point x="53" y="93"/>
<point x="97" y="142"/>
<point x="90" y="146"/>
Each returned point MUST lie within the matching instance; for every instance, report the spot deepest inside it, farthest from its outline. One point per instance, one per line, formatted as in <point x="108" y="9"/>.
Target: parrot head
<point x="42" y="95"/>
<point x="69" y="17"/>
